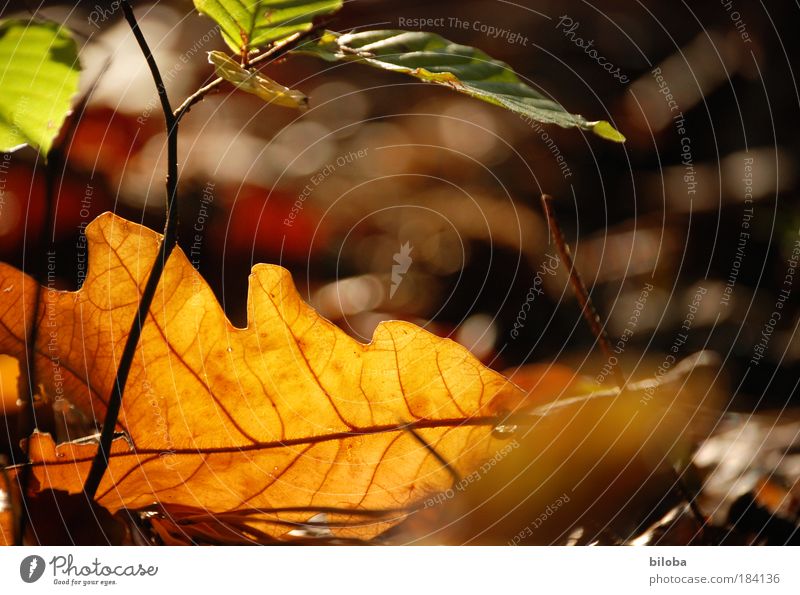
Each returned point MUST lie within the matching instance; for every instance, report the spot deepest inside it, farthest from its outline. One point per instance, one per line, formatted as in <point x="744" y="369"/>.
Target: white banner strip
<point x="399" y="571"/>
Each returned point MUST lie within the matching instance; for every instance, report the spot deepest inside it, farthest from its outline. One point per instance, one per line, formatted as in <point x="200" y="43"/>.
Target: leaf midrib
<point x="489" y="421"/>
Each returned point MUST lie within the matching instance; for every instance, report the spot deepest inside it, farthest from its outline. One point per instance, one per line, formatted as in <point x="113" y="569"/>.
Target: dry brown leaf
<point x="279" y="419"/>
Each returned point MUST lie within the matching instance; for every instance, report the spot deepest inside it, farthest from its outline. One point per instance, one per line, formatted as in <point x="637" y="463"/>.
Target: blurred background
<point x="392" y="199"/>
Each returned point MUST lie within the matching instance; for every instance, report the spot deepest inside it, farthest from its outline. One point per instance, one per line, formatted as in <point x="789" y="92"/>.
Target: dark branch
<point x="591" y="316"/>
<point x="100" y="461"/>
<point x="444" y="462"/>
<point x="276" y="51"/>
<point x="579" y="288"/>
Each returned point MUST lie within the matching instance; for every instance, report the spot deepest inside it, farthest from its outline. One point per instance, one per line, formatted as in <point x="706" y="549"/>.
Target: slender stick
<point x="275" y="52"/>
<point x="591" y="316"/>
<point x="444" y="462"/>
<point x="195" y="97"/>
<point x="100" y="461"/>
<point x="579" y="288"/>
<point x="171" y="118"/>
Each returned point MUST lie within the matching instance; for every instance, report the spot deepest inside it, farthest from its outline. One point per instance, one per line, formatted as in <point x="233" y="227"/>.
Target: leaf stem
<point x="276" y="51"/>
<point x="579" y="288"/>
<point x="436" y="455"/>
<point x="100" y="461"/>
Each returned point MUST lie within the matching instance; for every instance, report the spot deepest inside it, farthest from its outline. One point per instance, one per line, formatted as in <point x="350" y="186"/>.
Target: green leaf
<point x="39" y="72"/>
<point x="250" y="24"/>
<point x="255" y="83"/>
<point x="431" y="58"/>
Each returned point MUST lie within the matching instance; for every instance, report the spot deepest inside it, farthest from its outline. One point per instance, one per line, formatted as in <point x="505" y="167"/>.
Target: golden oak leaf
<point x="276" y="421"/>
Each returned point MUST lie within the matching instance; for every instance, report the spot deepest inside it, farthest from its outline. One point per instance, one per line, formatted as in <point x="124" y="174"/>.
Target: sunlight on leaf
<point x="256" y="83"/>
<point x="6" y="519"/>
<point x="602" y="460"/>
<point x="6" y="528"/>
<point x="288" y="412"/>
<point x="39" y="72"/>
<point x="249" y="25"/>
<point x="431" y="58"/>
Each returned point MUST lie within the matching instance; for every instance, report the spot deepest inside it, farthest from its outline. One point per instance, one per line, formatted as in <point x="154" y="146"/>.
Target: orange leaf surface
<point x="6" y="527"/>
<point x="276" y="421"/>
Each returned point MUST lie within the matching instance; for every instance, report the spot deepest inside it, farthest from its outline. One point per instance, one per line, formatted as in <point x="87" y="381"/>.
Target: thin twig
<point x="340" y="510"/>
<point x="195" y="97"/>
<point x="579" y="288"/>
<point x="275" y="52"/>
<point x="591" y="316"/>
<point x="100" y="461"/>
<point x="444" y="462"/>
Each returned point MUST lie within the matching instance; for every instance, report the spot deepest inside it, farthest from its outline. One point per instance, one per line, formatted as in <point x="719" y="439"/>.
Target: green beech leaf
<point x="255" y="82"/>
<point x="430" y="57"/>
<point x="39" y="72"/>
<point x="250" y="24"/>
